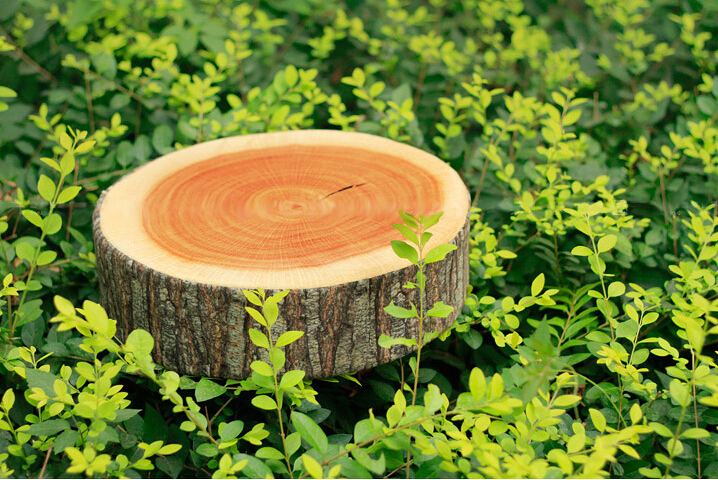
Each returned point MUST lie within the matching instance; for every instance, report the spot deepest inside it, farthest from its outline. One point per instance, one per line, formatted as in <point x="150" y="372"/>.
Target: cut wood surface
<point x="310" y="211"/>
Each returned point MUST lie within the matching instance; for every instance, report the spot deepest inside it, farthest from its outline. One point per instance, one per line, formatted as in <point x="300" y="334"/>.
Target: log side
<point x="202" y="329"/>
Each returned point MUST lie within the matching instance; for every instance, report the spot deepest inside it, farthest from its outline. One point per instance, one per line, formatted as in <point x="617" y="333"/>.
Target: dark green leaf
<point x="207" y="389"/>
<point x="48" y="427"/>
<point x="310" y="432"/>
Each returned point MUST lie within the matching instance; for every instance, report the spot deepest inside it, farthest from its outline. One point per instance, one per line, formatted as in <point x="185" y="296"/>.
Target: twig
<point x="116" y="85"/>
<point x="23" y="56"/>
<point x="88" y="99"/>
<point x="209" y="424"/>
<point x="44" y="463"/>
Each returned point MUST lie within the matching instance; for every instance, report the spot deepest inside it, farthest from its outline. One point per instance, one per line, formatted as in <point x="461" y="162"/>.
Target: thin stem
<point x="663" y="196"/>
<point x="45" y="462"/>
<point x="601" y="278"/>
<point x="88" y="99"/>
<point x="422" y="314"/>
<point x="494" y="141"/>
<point x="279" y="401"/>
<point x="116" y="85"/>
<point x="214" y="417"/>
<point x="33" y="64"/>
<point x="676" y="434"/>
<point x="695" y="412"/>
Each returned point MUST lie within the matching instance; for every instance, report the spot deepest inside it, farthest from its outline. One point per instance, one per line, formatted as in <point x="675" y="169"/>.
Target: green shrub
<point x="586" y="132"/>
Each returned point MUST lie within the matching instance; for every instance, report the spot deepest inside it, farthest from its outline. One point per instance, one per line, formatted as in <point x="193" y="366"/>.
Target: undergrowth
<point x="586" y="132"/>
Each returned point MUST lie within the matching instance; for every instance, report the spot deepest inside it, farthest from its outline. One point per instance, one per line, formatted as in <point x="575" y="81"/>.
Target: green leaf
<point x="65" y="141"/>
<point x="310" y="431"/>
<point x="706" y="105"/>
<point x="566" y="400"/>
<point x="400" y="312"/>
<point x="207" y="450"/>
<point x="606" y="243"/>
<point x="170" y="449"/>
<point x="66" y="439"/>
<point x="679" y="392"/>
<point x="477" y="383"/>
<point x="33" y="217"/>
<point x="67" y="164"/>
<point x="616" y="289"/>
<point x="288" y="337"/>
<point x="258" y="338"/>
<point x="277" y="358"/>
<point x="581" y="251"/>
<point x="231" y="430"/>
<point x="537" y="285"/>
<point x="695" y="433"/>
<point x="262" y="368"/>
<point x="293" y="442"/>
<point x="207" y="389"/>
<point x="140" y="342"/>
<point x="404" y="250"/>
<point x="187" y="426"/>
<point x="63" y="305"/>
<point x="438" y="253"/>
<point x="407" y="232"/>
<point x="162" y="138"/>
<point x="41" y="379"/>
<point x="258" y="317"/>
<point x="432" y="220"/>
<point x="635" y="413"/>
<point x="85" y="147"/>
<point x="385" y="341"/>
<point x="8" y="399"/>
<point x="46" y="188"/>
<point x="472" y="338"/>
<point x="252" y="297"/>
<point x="264" y="402"/>
<point x="599" y="421"/>
<point x="48" y="428"/>
<point x="409" y="219"/>
<point x="313" y="468"/>
<point x="269" y="453"/>
<point x="271" y="311"/>
<point x="7" y="92"/>
<point x="52" y="224"/>
<point x="46" y="257"/>
<point x="377" y="466"/>
<point x="661" y="429"/>
<point x="440" y="310"/>
<point x="291" y="76"/>
<point x="25" y="251"/>
<point x="291" y="378"/>
<point x="68" y="194"/>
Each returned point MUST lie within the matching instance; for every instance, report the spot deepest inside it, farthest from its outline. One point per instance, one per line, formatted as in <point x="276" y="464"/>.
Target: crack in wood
<point x="342" y="189"/>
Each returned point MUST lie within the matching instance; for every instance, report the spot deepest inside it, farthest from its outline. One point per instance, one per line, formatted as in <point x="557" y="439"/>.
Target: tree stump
<point x="310" y="211"/>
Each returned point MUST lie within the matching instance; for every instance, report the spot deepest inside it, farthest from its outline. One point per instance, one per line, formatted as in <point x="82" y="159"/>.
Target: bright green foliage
<point x="586" y="133"/>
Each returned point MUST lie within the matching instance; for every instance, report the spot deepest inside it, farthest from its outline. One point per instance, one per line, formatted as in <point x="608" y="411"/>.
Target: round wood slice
<point x="311" y="211"/>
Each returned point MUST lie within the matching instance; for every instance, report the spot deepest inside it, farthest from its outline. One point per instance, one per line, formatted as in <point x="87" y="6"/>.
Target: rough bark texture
<point x="201" y="329"/>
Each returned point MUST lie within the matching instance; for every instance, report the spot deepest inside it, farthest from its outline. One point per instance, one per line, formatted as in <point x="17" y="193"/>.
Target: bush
<point x="586" y="132"/>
